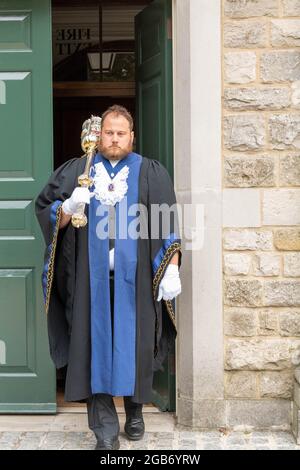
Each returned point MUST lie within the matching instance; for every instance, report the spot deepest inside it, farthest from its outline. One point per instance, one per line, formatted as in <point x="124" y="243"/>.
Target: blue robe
<point x="113" y="358"/>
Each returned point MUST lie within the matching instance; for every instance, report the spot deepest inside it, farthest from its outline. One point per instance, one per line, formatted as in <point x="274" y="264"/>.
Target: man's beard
<point x="115" y="153"/>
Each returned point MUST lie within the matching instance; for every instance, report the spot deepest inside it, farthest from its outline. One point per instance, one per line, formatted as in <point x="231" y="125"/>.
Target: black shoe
<point x="109" y="443"/>
<point x="134" y="428"/>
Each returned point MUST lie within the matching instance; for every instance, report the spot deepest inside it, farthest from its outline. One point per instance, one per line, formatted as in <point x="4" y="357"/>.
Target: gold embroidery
<point x="51" y="258"/>
<point x="173" y="248"/>
<point x="171" y="312"/>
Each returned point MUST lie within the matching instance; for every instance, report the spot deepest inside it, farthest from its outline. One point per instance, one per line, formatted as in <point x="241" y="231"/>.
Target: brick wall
<point x="261" y="180"/>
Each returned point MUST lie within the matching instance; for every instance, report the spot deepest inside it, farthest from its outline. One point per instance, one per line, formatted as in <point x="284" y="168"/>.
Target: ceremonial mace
<point x="90" y="136"/>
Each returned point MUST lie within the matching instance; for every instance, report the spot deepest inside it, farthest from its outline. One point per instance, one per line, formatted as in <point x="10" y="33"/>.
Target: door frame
<point x="197" y="102"/>
<point x="197" y="179"/>
<point x="67" y="89"/>
<point x="100" y="89"/>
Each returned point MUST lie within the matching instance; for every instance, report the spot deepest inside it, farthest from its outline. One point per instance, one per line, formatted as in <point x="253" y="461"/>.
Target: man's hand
<point x="78" y="196"/>
<point x="170" y="285"/>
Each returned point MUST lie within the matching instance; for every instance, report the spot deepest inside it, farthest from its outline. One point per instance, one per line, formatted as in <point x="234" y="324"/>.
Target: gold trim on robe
<point x="50" y="272"/>
<point x="172" y="249"/>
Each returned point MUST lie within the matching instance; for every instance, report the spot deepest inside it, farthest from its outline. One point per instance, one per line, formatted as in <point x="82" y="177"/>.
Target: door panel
<point x="155" y="128"/>
<point x="154" y="82"/>
<point x="27" y="376"/>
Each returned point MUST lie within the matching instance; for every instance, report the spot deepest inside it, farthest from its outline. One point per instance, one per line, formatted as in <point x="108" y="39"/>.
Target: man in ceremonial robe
<point x="109" y="287"/>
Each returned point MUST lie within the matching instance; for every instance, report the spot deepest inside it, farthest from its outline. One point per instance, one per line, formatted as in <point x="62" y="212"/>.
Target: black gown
<point x="67" y="286"/>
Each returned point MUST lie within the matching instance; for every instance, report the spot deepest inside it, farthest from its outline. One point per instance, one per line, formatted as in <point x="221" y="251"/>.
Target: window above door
<point x="94" y="42"/>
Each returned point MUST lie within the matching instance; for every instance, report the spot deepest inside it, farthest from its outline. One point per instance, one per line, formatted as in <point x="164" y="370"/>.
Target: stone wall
<point x="261" y="181"/>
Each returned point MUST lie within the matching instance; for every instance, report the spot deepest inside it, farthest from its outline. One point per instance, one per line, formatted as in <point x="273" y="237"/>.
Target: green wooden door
<point x="155" y="127"/>
<point x="27" y="376"/>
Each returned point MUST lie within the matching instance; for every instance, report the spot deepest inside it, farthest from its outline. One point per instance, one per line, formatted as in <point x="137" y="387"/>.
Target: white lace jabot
<point x="110" y="190"/>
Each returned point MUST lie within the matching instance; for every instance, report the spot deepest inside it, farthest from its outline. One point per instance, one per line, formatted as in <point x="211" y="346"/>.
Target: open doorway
<point x="93" y="65"/>
<point x="95" y="49"/>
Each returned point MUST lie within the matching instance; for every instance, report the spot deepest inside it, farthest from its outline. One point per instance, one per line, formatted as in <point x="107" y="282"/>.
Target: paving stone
<point x="260" y="440"/>
<point x="211" y="447"/>
<point x="179" y="439"/>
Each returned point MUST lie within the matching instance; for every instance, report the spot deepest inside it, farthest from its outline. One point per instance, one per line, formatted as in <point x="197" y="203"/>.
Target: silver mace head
<point x="90" y="135"/>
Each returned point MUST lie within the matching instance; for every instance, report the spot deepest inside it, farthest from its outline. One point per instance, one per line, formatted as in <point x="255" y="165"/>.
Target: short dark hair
<point x="118" y="110"/>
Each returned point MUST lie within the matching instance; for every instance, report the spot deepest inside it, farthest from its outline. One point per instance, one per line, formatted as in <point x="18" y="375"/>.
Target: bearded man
<point x="109" y="288"/>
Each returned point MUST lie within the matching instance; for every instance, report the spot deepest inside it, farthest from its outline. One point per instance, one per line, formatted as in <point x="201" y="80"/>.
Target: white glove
<point x="78" y="196"/>
<point x="170" y="285"/>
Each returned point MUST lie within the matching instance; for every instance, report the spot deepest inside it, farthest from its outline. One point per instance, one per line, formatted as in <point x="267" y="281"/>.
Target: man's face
<point x="116" y="137"/>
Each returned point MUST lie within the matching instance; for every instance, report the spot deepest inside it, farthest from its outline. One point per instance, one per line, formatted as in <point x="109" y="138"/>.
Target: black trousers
<point x="102" y="414"/>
